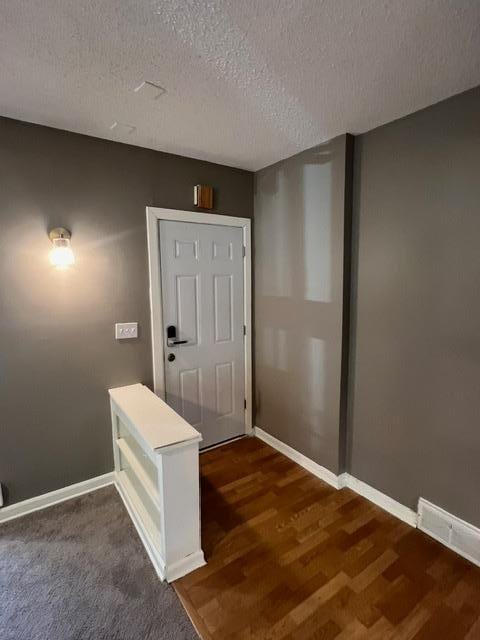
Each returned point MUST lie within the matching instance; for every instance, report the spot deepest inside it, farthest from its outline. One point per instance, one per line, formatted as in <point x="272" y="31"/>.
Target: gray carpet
<point x="78" y="571"/>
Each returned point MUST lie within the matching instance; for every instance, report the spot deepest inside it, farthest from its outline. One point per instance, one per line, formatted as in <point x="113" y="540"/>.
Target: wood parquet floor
<point x="291" y="558"/>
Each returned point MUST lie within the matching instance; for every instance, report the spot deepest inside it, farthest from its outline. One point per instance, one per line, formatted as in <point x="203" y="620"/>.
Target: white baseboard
<point x="343" y="480"/>
<point x="54" y="497"/>
<point x="383" y="501"/>
<point x="321" y="472"/>
<point x="185" y="565"/>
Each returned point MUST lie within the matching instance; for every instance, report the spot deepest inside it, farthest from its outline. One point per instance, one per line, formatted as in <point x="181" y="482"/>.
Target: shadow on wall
<point x="299" y="226"/>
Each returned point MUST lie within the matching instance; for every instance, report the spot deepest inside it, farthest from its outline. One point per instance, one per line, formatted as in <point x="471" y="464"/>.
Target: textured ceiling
<point x="248" y="82"/>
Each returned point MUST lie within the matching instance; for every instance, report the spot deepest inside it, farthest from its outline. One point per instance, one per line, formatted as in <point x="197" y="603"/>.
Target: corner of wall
<point x="343" y="451"/>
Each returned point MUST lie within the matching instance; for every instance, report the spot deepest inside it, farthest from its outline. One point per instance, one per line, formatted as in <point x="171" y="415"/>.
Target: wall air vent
<point x="454" y="533"/>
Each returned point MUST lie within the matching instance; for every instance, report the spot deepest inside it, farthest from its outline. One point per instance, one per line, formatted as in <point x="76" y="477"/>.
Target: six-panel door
<point x="202" y="300"/>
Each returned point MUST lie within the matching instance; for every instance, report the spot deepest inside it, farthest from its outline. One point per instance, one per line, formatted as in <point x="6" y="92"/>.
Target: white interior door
<point x="203" y="318"/>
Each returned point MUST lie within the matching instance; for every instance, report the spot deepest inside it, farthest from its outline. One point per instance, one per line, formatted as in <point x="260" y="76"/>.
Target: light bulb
<point x="61" y="256"/>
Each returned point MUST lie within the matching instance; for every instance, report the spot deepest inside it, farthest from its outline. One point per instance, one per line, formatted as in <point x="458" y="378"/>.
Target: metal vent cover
<point x="458" y="535"/>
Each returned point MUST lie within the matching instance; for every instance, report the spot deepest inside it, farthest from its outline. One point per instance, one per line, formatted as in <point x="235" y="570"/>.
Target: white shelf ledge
<point x="158" y="424"/>
<point x="139" y="471"/>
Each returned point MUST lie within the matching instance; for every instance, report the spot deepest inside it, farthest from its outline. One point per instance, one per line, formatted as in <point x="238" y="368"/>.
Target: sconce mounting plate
<point x="59" y="232"/>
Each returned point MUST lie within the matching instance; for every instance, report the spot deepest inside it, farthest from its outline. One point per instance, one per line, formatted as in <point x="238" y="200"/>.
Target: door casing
<point x="154" y="215"/>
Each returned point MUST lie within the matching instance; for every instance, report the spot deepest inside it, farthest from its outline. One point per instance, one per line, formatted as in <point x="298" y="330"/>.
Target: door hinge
<point x="244" y="329"/>
<point x="244" y="251"/>
<point x="245" y="403"/>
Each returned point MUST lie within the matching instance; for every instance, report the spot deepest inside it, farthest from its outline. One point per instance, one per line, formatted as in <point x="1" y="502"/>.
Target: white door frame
<point x="154" y="214"/>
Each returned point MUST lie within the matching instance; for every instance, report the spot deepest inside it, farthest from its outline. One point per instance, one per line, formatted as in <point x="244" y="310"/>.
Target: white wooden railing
<point x="156" y="471"/>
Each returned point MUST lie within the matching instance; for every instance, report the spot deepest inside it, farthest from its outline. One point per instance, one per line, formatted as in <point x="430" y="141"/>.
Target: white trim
<point x="185" y="565"/>
<point x="179" y="215"/>
<point x="453" y="524"/>
<point x="154" y="214"/>
<point x="321" y="472"/>
<point x="343" y="480"/>
<point x="54" y="497"/>
<point x="155" y="294"/>
<point x="383" y="501"/>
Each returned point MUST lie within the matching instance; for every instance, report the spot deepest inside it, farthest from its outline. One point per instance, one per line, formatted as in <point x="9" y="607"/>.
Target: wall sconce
<point x="61" y="256"/>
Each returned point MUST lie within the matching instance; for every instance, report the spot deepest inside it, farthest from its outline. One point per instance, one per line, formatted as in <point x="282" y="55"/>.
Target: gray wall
<point x="415" y="402"/>
<point x="299" y="288"/>
<point x="57" y="352"/>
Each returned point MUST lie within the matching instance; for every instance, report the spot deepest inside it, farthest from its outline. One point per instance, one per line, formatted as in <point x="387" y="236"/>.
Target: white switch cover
<point x="124" y="330"/>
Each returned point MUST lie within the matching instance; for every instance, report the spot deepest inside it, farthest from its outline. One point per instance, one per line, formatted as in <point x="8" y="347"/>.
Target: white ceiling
<point x="248" y="82"/>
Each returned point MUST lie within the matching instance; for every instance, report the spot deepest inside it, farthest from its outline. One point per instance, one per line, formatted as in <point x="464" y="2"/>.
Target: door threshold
<point x="220" y="444"/>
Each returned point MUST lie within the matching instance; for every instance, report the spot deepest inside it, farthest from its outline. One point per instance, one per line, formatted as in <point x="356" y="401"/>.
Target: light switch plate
<point x="126" y="330"/>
